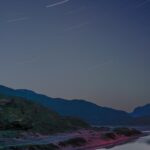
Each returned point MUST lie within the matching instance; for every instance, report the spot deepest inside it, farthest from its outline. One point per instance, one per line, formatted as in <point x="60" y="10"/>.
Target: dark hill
<point x="87" y="111"/>
<point x="20" y="114"/>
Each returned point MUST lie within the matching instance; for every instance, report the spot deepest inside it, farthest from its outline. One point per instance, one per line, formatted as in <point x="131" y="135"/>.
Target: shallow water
<point x="141" y="144"/>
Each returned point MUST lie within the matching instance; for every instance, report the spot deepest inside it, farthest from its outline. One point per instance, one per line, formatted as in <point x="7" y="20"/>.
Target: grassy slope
<point x="19" y="114"/>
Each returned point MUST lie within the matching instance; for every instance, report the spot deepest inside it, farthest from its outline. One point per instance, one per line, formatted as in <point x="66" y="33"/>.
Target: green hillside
<point x="21" y="115"/>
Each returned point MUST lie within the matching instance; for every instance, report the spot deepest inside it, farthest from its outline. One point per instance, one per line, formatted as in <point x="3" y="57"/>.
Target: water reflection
<point x="141" y="144"/>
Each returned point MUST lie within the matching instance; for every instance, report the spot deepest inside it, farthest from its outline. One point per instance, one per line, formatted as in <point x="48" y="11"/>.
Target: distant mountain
<point x="143" y="121"/>
<point x="142" y="111"/>
<point x="87" y="111"/>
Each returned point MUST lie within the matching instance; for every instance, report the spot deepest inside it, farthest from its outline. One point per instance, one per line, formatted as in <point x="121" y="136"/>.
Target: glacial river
<point x="141" y="144"/>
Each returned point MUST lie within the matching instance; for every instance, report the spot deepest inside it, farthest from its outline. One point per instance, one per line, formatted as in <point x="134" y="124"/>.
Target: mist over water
<point x="141" y="144"/>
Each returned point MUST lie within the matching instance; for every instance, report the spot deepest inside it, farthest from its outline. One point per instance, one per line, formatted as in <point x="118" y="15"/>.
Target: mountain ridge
<point x="87" y="111"/>
<point x="141" y="111"/>
<point x="25" y="91"/>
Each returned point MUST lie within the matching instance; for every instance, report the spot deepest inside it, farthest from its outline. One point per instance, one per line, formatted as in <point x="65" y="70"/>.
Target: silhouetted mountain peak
<point x="141" y="111"/>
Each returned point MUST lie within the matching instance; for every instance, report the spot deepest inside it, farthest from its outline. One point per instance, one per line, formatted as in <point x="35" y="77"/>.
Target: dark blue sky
<point x="87" y="49"/>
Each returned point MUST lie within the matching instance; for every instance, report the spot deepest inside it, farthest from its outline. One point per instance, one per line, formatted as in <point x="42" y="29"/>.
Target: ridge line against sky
<point x="61" y="98"/>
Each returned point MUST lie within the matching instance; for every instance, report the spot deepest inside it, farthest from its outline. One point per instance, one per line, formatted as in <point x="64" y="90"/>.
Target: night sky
<point x="96" y="50"/>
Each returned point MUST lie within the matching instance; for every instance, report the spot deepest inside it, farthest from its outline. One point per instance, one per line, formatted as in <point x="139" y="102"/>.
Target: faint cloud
<point x="95" y="67"/>
<point x="57" y="3"/>
<point x="77" y="26"/>
<point x="17" y="20"/>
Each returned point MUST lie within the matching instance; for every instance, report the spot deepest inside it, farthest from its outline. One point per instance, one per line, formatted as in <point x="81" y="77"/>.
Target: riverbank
<point x="85" y="139"/>
<point x="110" y="144"/>
<point x="96" y="140"/>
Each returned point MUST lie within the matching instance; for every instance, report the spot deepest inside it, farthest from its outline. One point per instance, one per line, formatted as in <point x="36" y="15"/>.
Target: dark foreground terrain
<point x="25" y="125"/>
